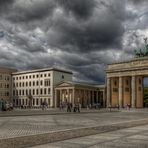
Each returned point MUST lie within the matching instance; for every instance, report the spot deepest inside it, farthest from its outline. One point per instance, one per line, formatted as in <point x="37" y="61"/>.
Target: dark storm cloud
<point x="82" y="9"/>
<point x="79" y="35"/>
<point x="94" y="33"/>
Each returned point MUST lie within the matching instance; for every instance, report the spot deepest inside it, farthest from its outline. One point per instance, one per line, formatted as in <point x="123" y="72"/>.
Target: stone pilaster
<point x="133" y="85"/>
<point x="120" y="92"/>
<point x="108" y="101"/>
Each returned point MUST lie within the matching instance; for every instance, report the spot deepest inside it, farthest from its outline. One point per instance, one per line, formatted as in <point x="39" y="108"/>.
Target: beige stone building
<point x="125" y="82"/>
<point x="51" y="85"/>
<point x="82" y="93"/>
<point x="6" y="83"/>
<point x="32" y="88"/>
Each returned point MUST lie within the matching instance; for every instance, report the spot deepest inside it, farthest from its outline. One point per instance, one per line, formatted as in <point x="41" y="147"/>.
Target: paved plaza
<point x="135" y="137"/>
<point x="23" y="126"/>
<point x="31" y="125"/>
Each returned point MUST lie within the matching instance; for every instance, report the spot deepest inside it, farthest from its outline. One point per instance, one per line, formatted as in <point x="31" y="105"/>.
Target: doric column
<point x="93" y="96"/>
<point x="133" y="84"/>
<point x="104" y="98"/>
<point x="55" y="98"/>
<point x="120" y="92"/>
<point x="73" y="96"/>
<point x="61" y="99"/>
<point x="108" y="101"/>
<point x="97" y="97"/>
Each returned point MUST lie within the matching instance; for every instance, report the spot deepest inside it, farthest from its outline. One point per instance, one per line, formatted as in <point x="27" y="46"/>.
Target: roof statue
<point x="142" y="52"/>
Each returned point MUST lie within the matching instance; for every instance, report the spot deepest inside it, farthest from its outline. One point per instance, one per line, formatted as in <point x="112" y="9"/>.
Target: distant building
<point x="32" y="88"/>
<point x="50" y="85"/>
<point x="6" y="83"/>
<point x="75" y="92"/>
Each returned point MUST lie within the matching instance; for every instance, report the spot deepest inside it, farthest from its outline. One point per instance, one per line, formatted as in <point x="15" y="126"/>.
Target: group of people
<point x="44" y="105"/>
<point x="70" y="107"/>
<point x="5" y="106"/>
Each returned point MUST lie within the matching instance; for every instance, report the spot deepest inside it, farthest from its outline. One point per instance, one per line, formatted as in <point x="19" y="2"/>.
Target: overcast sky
<point x="79" y="35"/>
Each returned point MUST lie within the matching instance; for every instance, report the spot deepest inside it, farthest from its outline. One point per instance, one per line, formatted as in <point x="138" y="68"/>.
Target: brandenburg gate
<point x="125" y="82"/>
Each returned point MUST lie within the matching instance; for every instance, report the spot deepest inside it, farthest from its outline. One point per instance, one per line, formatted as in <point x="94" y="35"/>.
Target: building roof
<point x="42" y="70"/>
<point x="130" y="60"/>
<point x="6" y="69"/>
<point x="82" y="84"/>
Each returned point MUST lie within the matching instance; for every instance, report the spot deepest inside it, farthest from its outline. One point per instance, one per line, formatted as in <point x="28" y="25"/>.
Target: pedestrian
<point x="68" y="107"/>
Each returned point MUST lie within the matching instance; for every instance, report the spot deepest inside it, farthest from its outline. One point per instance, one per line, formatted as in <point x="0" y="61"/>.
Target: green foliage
<point x="142" y="52"/>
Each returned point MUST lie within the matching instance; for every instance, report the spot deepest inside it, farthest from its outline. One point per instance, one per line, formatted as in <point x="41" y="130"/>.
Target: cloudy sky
<point x="79" y="35"/>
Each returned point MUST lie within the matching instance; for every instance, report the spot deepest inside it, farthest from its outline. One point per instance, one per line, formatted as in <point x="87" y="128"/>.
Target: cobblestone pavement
<point x="135" y="137"/>
<point x="32" y="125"/>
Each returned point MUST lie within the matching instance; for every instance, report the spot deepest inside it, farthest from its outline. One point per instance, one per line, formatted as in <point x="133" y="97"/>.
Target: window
<point x="37" y="91"/>
<point x="23" y="84"/>
<point x="7" y="93"/>
<point x="33" y="102"/>
<point x="41" y="75"/>
<point x="29" y="91"/>
<point x="37" y="76"/>
<point x="49" y="101"/>
<point x="41" y="82"/>
<point x="37" y="101"/>
<point x="33" y="76"/>
<point x="126" y="82"/>
<point x="16" y="84"/>
<point x="20" y="84"/>
<point x="23" y="101"/>
<point x="26" y="77"/>
<point x="23" y="92"/>
<point x="26" y="92"/>
<point x="30" y="83"/>
<point x="16" y="92"/>
<point x="62" y="76"/>
<point x="115" y="83"/>
<point x="47" y="82"/>
<point x="23" y="77"/>
<point x="26" y="83"/>
<point x="127" y="89"/>
<point x="41" y="91"/>
<point x="13" y="92"/>
<point x="20" y="78"/>
<point x="33" y="83"/>
<point x="30" y="76"/>
<point x="115" y="89"/>
<point x="37" y="83"/>
<point x="44" y="75"/>
<point x="20" y="92"/>
<point x="45" y="91"/>
<point x="48" y="90"/>
<point x="48" y="74"/>
<point x="33" y="92"/>
<point x="139" y="81"/>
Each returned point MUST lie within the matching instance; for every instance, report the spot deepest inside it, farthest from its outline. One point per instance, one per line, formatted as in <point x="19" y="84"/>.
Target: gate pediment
<point x="64" y="84"/>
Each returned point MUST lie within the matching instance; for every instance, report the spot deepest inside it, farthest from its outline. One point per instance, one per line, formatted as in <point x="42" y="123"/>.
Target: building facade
<point x="6" y="83"/>
<point x="32" y="88"/>
<point x="85" y="94"/>
<point x="125" y="82"/>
